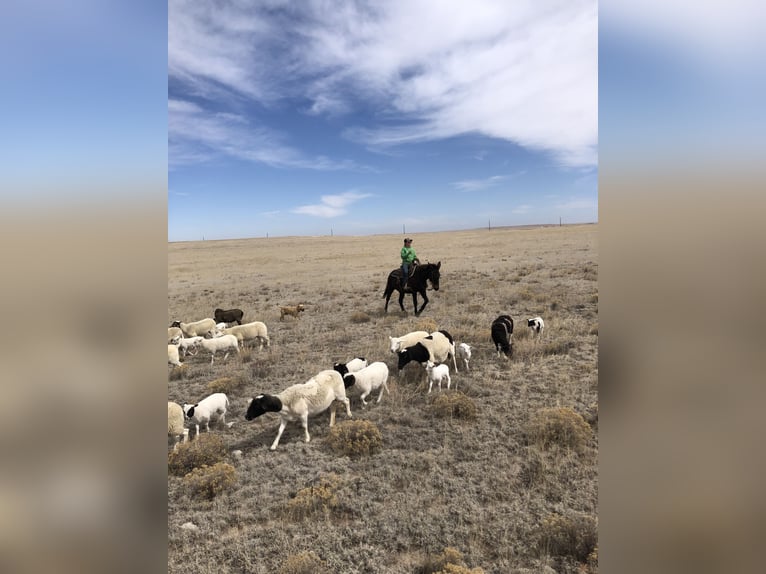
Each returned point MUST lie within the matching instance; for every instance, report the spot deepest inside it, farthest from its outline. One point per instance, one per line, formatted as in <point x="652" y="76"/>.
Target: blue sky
<point x="298" y="118"/>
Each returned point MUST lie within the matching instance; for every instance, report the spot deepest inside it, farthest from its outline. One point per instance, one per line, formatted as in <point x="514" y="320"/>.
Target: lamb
<point x="247" y="332"/>
<point x="368" y="379"/>
<point x="502" y="335"/>
<point x="176" y="424"/>
<point x="290" y="311"/>
<point x="188" y="344"/>
<point x="173" y="358"/>
<point x="399" y="343"/>
<point x="300" y="401"/>
<point x="196" y="328"/>
<point x="352" y="366"/>
<point x="225" y="343"/>
<point x="437" y="374"/>
<point x="174" y="334"/>
<point x="200" y="413"/>
<point x="437" y="348"/>
<point x="537" y="325"/>
<point x="228" y="316"/>
<point x="463" y="353"/>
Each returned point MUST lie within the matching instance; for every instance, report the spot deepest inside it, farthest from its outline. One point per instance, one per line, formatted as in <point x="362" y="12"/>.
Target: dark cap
<point x="407" y="239"/>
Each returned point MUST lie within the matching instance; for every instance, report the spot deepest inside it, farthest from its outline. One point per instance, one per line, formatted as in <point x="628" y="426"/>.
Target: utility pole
<point x="489" y="225"/>
<point x="331" y="232"/>
<point x="559" y="221"/>
<point x="403" y="230"/>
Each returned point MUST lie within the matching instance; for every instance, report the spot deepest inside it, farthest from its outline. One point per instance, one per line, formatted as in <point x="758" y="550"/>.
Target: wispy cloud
<point x="521" y="209"/>
<point x="332" y="205"/>
<point x="578" y="203"/>
<point x="477" y="184"/>
<point x="525" y="73"/>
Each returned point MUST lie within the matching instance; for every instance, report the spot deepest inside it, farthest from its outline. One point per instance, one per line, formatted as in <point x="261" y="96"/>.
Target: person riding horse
<point x="408" y="259"/>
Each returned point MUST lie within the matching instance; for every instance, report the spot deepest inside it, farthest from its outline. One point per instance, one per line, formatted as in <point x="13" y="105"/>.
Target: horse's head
<point x="433" y="274"/>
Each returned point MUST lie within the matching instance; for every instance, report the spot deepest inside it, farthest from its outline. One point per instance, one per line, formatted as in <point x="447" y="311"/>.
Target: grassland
<point x="512" y="489"/>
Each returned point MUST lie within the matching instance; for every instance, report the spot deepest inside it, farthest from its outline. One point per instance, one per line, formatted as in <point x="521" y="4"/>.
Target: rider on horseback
<point x="408" y="258"/>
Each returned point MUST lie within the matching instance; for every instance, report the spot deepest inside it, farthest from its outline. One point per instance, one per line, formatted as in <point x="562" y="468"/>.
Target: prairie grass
<point x="490" y="484"/>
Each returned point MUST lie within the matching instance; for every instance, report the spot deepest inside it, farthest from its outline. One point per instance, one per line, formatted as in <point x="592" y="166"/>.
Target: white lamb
<point x="437" y="374"/>
<point x="368" y="379"/>
<point x="200" y="413"/>
<point x="200" y="327"/>
<point x="301" y="401"/>
<point x="173" y="358"/>
<point x="463" y="354"/>
<point x="174" y="335"/>
<point x="188" y="344"/>
<point x="225" y="343"/>
<point x="176" y="424"/>
<point x="247" y="332"/>
<point x="399" y="343"/>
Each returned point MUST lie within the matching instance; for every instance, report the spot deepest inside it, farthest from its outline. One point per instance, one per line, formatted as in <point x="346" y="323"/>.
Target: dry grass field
<point x="499" y="476"/>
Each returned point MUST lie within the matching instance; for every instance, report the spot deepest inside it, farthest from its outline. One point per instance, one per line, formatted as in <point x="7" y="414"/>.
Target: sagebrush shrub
<point x="178" y="373"/>
<point x="227" y="385"/>
<point x="303" y="563"/>
<point x="559" y="425"/>
<point x="557" y="347"/>
<point x="320" y="498"/>
<point x="355" y="438"/>
<point x="428" y="325"/>
<point x="209" y="481"/>
<point x="453" y="404"/>
<point x="450" y="561"/>
<point x="573" y="536"/>
<point x="205" y="449"/>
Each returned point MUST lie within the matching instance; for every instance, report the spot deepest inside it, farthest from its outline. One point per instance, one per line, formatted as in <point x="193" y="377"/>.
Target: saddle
<point x="413" y="265"/>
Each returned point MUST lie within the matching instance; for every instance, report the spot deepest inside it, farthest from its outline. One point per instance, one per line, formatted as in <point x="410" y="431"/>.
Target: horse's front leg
<point x="425" y="302"/>
<point x="401" y="299"/>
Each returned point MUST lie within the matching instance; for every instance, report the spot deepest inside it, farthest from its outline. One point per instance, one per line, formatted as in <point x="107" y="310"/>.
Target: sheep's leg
<point x="449" y="382"/>
<point x="382" y="388"/>
<point x="364" y="396"/>
<point x="430" y="385"/>
<point x="186" y="435"/>
<point x="305" y="423"/>
<point x="282" y="425"/>
<point x="223" y="420"/>
<point x="212" y="356"/>
<point x="348" y="408"/>
<point x="332" y="413"/>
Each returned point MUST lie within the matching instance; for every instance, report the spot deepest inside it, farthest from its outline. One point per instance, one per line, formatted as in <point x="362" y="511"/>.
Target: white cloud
<point x="523" y="72"/>
<point x="477" y="184"/>
<point x="332" y="205"/>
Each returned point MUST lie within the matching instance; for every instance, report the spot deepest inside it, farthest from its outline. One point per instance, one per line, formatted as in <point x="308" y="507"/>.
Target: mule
<point x="416" y="284"/>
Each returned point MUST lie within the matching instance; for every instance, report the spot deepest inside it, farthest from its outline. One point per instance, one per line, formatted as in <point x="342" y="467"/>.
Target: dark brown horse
<point x="417" y="284"/>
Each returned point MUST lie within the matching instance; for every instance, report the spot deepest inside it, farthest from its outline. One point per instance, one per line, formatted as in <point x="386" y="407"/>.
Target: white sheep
<point x="188" y="344"/>
<point x="368" y="379"/>
<point x="537" y="325"/>
<point x="200" y="413"/>
<point x="174" y="334"/>
<point x="399" y="343"/>
<point x="437" y="374"/>
<point x="200" y="327"/>
<point x="176" y="424"/>
<point x="301" y="401"/>
<point x="226" y="343"/>
<point x="173" y="358"/>
<point x="463" y="354"/>
<point x="247" y="332"/>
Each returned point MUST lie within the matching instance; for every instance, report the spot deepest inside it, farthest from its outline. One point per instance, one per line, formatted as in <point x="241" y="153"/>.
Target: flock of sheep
<point x="225" y="333"/>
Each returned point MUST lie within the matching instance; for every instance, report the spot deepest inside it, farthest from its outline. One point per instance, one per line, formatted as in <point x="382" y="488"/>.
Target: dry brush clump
<point x="228" y="385"/>
<point x="572" y="536"/>
<point x="561" y="426"/>
<point x="355" y="438"/>
<point x="453" y="405"/>
<point x="450" y="561"/>
<point x="178" y="373"/>
<point x="316" y="499"/>
<point x="304" y="563"/>
<point x="209" y="481"/>
<point x="207" y="449"/>
<point x="359" y="317"/>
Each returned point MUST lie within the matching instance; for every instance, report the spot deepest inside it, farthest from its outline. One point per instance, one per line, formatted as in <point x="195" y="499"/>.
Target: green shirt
<point x="408" y="255"/>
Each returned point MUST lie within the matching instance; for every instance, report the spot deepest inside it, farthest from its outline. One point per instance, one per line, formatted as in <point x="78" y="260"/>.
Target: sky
<point x="355" y="118"/>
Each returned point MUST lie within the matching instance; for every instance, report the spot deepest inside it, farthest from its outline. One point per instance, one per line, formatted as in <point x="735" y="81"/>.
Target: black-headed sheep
<point x="502" y="335"/>
<point x="537" y="325"/>
<point x="201" y="413"/>
<point x="355" y="364"/>
<point x="368" y="379"/>
<point x="299" y="402"/>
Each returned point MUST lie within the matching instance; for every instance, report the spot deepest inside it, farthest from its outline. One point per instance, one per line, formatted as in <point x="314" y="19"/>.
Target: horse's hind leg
<point x="401" y="300"/>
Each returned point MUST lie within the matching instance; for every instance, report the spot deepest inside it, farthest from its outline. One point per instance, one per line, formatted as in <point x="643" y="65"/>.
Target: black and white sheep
<point x="502" y="334"/>
<point x="537" y="325"/>
<point x="176" y="424"/>
<point x="370" y="378"/>
<point x="255" y="331"/>
<point x="201" y="413"/>
<point x="355" y="364"/>
<point x="437" y="374"/>
<point x="463" y="354"/>
<point x="437" y="348"/>
<point x="299" y="402"/>
<point x="396" y="344"/>
<point x="201" y="327"/>
<point x="225" y="343"/>
<point x="173" y="358"/>
<point x="228" y="316"/>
